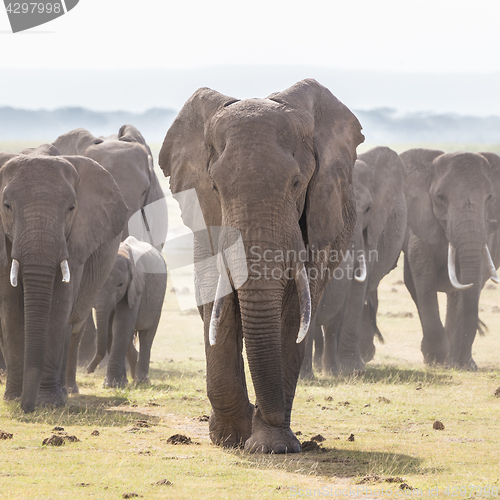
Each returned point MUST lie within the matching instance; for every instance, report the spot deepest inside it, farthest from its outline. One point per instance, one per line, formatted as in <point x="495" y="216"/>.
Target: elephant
<point x="348" y="307"/>
<point x="61" y="223"/>
<point x="453" y="207"/>
<point x="130" y="301"/>
<point x="272" y="180"/>
<point x="128" y="158"/>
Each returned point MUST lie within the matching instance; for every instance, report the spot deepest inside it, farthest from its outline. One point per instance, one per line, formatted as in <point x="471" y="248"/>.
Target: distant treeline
<point x="380" y="126"/>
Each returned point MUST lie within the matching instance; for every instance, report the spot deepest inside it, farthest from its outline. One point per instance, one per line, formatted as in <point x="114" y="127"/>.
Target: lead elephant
<point x="453" y="208"/>
<point x="130" y="301"/>
<point x="127" y="157"/>
<point x="277" y="173"/>
<point x="61" y="222"/>
<point x="351" y="297"/>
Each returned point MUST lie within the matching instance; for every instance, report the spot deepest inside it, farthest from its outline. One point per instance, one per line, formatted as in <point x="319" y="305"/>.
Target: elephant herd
<point x="319" y="227"/>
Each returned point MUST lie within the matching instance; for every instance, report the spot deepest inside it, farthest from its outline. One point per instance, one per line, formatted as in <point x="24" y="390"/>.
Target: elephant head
<point x="450" y="200"/>
<point x="125" y="282"/>
<point x="56" y="213"/>
<point x="279" y="171"/>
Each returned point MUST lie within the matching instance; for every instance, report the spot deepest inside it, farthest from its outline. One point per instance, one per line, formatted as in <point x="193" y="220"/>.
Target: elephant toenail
<point x="296" y="448"/>
<point x="280" y="448"/>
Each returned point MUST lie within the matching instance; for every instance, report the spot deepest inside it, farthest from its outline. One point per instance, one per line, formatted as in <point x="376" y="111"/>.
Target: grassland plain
<point x="390" y="411"/>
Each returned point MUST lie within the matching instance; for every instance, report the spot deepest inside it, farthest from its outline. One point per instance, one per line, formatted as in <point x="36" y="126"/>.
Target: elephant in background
<point x="348" y="307"/>
<point x="276" y="174"/>
<point x="130" y="301"/>
<point x="453" y="208"/>
<point x="127" y="157"/>
<point x="61" y="222"/>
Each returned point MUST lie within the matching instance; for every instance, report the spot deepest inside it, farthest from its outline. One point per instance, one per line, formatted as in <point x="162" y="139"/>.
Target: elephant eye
<point x="72" y="207"/>
<point x="489" y="197"/>
<point x="367" y="209"/>
<point x="121" y="284"/>
<point x="7" y="206"/>
<point x="441" y="197"/>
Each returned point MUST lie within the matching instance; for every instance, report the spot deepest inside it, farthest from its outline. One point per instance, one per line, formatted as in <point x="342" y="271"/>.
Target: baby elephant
<point x="130" y="301"/>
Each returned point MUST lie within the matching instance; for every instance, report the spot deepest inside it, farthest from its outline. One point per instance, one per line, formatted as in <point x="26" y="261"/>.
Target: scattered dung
<point x="179" y="439"/>
<point x="131" y="495"/>
<point x="439" y="426"/>
<point x="405" y="486"/>
<point x="309" y="399"/>
<point x="58" y="429"/>
<point x="142" y="423"/>
<point x="204" y="418"/>
<point x="381" y="399"/>
<point x="298" y="433"/>
<point x="59" y="439"/>
<point x="310" y="446"/>
<point x="163" y="482"/>
<point x="318" y="438"/>
<point x="95" y="433"/>
<point x="343" y="403"/>
<point x="370" y="478"/>
<point x="394" y="290"/>
<point x="328" y="398"/>
<point x="351" y="438"/>
<point x="404" y="314"/>
<point x="395" y="479"/>
<point x="497" y="393"/>
<point x="6" y="435"/>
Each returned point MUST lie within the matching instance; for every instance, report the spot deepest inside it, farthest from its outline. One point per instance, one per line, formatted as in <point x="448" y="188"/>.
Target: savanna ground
<point x="390" y="411"/>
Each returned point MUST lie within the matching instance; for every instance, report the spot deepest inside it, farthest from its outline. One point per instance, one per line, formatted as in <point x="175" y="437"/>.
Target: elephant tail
<point x="482" y="328"/>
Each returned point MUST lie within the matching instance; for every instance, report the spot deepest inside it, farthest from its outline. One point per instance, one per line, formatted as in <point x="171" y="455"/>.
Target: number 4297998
<point x="35" y="7"/>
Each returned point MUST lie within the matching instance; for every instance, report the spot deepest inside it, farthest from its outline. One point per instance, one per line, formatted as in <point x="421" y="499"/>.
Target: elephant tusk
<point x="362" y="277"/>
<point x="304" y="301"/>
<point x="220" y="293"/>
<point x="452" y="272"/>
<point x="14" y="271"/>
<point x="491" y="266"/>
<point x="65" y="271"/>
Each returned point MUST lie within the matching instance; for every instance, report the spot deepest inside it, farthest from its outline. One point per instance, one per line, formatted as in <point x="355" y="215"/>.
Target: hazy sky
<point x="397" y="35"/>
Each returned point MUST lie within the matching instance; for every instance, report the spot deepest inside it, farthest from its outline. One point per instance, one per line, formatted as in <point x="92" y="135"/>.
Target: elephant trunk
<point x="38" y="282"/>
<point x="261" y="319"/>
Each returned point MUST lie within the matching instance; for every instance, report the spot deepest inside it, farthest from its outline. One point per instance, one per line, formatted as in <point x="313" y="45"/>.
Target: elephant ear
<point x="420" y="172"/>
<point x="4" y="257"/>
<point x="43" y="150"/>
<point x="75" y="142"/>
<point x="184" y="156"/>
<point x="137" y="281"/>
<point x="494" y="175"/>
<point x="129" y="133"/>
<point x="385" y="183"/>
<point x="330" y="201"/>
<point x="101" y="213"/>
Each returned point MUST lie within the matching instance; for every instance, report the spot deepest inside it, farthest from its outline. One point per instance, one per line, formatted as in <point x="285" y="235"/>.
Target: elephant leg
<point x="349" y="352"/>
<point x="369" y="328"/>
<point x="146" y="338"/>
<point x="132" y="356"/>
<point x="76" y="335"/>
<point x="319" y="348"/>
<point x="332" y="335"/>
<point x="123" y="333"/>
<point x="230" y="421"/>
<point x="266" y="438"/>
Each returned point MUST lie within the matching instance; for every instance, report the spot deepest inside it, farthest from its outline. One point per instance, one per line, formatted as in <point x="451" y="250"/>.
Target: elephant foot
<point x="368" y="352"/>
<point x="350" y="366"/>
<point x="116" y="383"/>
<point x="142" y="382"/>
<point x="73" y="388"/>
<point x="268" y="439"/>
<point x="46" y="398"/>
<point x="434" y="353"/>
<point x="12" y="395"/>
<point x="469" y="365"/>
<point x="231" y="433"/>
<point x="306" y="374"/>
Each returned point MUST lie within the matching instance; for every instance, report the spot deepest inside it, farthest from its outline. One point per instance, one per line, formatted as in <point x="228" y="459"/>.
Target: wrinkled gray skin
<point x="130" y="301"/>
<point x="127" y="157"/>
<point x="53" y="208"/>
<point x="278" y="170"/>
<point x="452" y="198"/>
<point x="347" y="311"/>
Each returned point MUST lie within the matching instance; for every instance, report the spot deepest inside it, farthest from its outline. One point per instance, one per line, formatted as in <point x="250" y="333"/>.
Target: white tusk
<point x="65" y="271"/>
<point x="304" y="301"/>
<point x="221" y="292"/>
<point x="452" y="272"/>
<point x="362" y="276"/>
<point x="491" y="266"/>
<point x="14" y="271"/>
